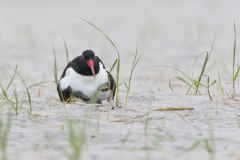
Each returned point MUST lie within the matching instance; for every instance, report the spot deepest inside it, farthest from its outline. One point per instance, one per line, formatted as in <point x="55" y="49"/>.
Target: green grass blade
<point x="234" y="59"/>
<point x="134" y="64"/>
<point x="236" y="74"/>
<point x="66" y="49"/>
<point x="9" y="101"/>
<point x="55" y="71"/>
<point x="214" y="82"/>
<point x="208" y="54"/>
<point x="183" y="80"/>
<point x="178" y="70"/>
<point x="170" y="85"/>
<point x="105" y="35"/>
<point x="202" y="72"/>
<point x="113" y="65"/>
<point x="37" y="84"/>
<point x="196" y="60"/>
<point x="193" y="146"/>
<point x="118" y="55"/>
<point x="26" y="90"/>
<point x="16" y="99"/>
<point x="13" y="77"/>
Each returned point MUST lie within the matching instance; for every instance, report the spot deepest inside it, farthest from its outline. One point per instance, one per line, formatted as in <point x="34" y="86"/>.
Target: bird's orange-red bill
<point x="90" y="64"/>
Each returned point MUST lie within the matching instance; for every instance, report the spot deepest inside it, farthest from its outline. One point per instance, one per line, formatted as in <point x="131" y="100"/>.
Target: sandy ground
<point x="168" y="33"/>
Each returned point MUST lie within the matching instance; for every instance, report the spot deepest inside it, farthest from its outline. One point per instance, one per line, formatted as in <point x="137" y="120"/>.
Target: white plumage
<point x="86" y="84"/>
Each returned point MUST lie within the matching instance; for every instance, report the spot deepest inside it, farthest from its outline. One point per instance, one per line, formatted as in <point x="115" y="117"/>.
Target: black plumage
<point x="81" y="66"/>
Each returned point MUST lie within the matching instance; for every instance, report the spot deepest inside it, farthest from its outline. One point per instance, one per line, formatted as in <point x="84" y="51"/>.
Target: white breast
<point x="86" y="84"/>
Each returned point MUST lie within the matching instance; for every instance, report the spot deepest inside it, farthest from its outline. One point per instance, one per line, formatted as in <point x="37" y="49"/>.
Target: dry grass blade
<point x="173" y="108"/>
<point x="127" y="119"/>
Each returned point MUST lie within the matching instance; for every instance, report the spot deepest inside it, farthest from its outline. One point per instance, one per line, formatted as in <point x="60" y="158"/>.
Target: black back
<point x="80" y="66"/>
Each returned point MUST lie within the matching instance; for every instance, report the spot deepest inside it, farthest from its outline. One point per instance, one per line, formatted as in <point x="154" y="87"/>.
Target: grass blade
<point x="113" y="65"/>
<point x="55" y="71"/>
<point x="134" y="64"/>
<point x="202" y="72"/>
<point x="16" y="99"/>
<point x="26" y="90"/>
<point x="234" y="60"/>
<point x="9" y="84"/>
<point x="118" y="56"/>
<point x="66" y="49"/>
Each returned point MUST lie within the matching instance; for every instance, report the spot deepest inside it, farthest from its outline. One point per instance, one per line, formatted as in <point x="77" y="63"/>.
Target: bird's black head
<point x="88" y="54"/>
<point x="89" y="57"/>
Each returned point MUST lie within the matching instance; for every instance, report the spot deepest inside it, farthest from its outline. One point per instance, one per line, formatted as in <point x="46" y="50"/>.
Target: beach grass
<point x="134" y="64"/>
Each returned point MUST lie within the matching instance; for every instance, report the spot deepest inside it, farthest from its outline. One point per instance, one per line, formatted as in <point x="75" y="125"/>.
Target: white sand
<point x="169" y="33"/>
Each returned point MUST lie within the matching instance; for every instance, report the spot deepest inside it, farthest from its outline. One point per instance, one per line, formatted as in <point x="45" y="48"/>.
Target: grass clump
<point x="134" y="64"/>
<point x="13" y="103"/>
<point x="17" y="100"/>
<point x="196" y="83"/>
<point x="26" y="92"/>
<point x="193" y="83"/>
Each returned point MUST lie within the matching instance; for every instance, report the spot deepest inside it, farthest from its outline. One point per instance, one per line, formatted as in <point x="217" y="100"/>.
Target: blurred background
<point x="167" y="32"/>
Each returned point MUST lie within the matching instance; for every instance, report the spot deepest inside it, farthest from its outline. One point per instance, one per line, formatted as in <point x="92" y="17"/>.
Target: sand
<point x="168" y="33"/>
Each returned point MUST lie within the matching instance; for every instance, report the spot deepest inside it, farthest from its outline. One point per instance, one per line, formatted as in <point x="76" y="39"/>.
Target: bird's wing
<point x="64" y="71"/>
<point x="65" y="94"/>
<point x="100" y="61"/>
<point x="110" y="80"/>
<point x="112" y="85"/>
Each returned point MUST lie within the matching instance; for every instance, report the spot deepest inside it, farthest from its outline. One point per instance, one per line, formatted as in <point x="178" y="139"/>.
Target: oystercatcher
<point x="86" y="78"/>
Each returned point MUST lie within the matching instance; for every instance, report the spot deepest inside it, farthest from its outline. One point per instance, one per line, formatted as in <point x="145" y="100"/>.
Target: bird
<point x="86" y="78"/>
